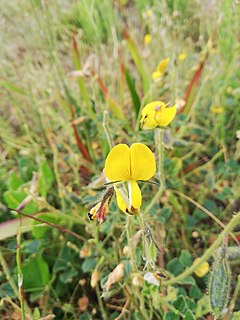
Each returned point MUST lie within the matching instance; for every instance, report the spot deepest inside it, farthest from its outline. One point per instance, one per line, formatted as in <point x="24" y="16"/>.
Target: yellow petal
<point x="156" y="75"/>
<point x="135" y="195"/>
<point x="202" y="269"/>
<point x="162" y="65"/>
<point x="149" y="112"/>
<point x="147" y="39"/>
<point x="165" y="116"/>
<point x="143" y="164"/>
<point x="117" y="165"/>
<point x="217" y="109"/>
<point x="182" y="56"/>
<point x="122" y="200"/>
<point x="93" y="212"/>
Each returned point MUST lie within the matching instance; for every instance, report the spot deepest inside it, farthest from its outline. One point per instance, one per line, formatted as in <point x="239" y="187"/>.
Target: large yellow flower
<point x="127" y="165"/>
<point x="157" y="114"/>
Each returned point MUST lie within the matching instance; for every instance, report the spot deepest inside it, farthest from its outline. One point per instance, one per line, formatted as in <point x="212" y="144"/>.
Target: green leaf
<point x="133" y="92"/>
<point x="170" y="315"/>
<point x="188" y="280"/>
<point x="195" y="292"/>
<point x="38" y="229"/>
<point x="180" y="303"/>
<point x="164" y="215"/>
<point x="139" y="62"/>
<point x="13" y="198"/>
<point x="65" y="255"/>
<point x="189" y="315"/>
<point x="68" y="307"/>
<point x="26" y="168"/>
<point x="185" y="258"/>
<point x="85" y="316"/>
<point x="203" y="307"/>
<point x="45" y="180"/>
<point x="14" y="181"/>
<point x="31" y="246"/>
<point x="35" y="273"/>
<point x="36" y="314"/>
<point x="88" y="264"/>
<point x="175" y="266"/>
<point x="68" y="275"/>
<point x="236" y="316"/>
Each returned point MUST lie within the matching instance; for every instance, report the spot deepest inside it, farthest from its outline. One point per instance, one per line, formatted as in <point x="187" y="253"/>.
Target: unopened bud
<point x="137" y="280"/>
<point x="85" y="252"/>
<point x="94" y="278"/>
<point x="202" y="269"/>
<point x="126" y="251"/>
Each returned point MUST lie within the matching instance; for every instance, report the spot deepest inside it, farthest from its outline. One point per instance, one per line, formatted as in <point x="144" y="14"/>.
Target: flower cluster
<point x="126" y="165"/>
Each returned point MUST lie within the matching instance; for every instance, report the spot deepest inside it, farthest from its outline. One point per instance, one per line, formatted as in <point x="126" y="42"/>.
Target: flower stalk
<point x="130" y="244"/>
<point x="20" y="275"/>
<point x="161" y="176"/>
<point x="161" y="160"/>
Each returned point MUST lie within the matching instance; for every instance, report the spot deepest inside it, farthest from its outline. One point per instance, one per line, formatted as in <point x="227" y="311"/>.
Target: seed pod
<point x="220" y="284"/>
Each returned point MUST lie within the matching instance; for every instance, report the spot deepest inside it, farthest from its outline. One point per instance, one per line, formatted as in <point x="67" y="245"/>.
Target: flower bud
<point x="202" y="269"/>
<point x="94" y="278"/>
<point x="85" y="251"/>
<point x="126" y="251"/>
<point x="137" y="280"/>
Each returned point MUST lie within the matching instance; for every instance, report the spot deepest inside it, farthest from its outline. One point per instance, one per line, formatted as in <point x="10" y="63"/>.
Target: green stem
<point x="8" y="275"/>
<point x="159" y="142"/>
<point x="235" y="295"/>
<point x="235" y="220"/>
<point x="100" y="303"/>
<point x="161" y="160"/>
<point x="130" y="244"/>
<point x="20" y="274"/>
<point x="138" y="294"/>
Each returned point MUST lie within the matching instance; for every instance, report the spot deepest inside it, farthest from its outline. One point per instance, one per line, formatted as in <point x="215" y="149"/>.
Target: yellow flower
<point x="149" y="12"/>
<point x="217" y="109"/>
<point x="156" y="114"/>
<point x="161" y="68"/>
<point x="182" y="56"/>
<point x="147" y="39"/>
<point x="202" y="269"/>
<point x="124" y="164"/>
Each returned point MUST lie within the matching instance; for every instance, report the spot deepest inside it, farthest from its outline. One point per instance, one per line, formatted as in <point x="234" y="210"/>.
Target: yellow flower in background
<point x="124" y="164"/>
<point x="157" y="114"/>
<point x="182" y="56"/>
<point x="161" y="68"/>
<point x="202" y="269"/>
<point x="149" y="12"/>
<point x="147" y="39"/>
<point x="217" y="109"/>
